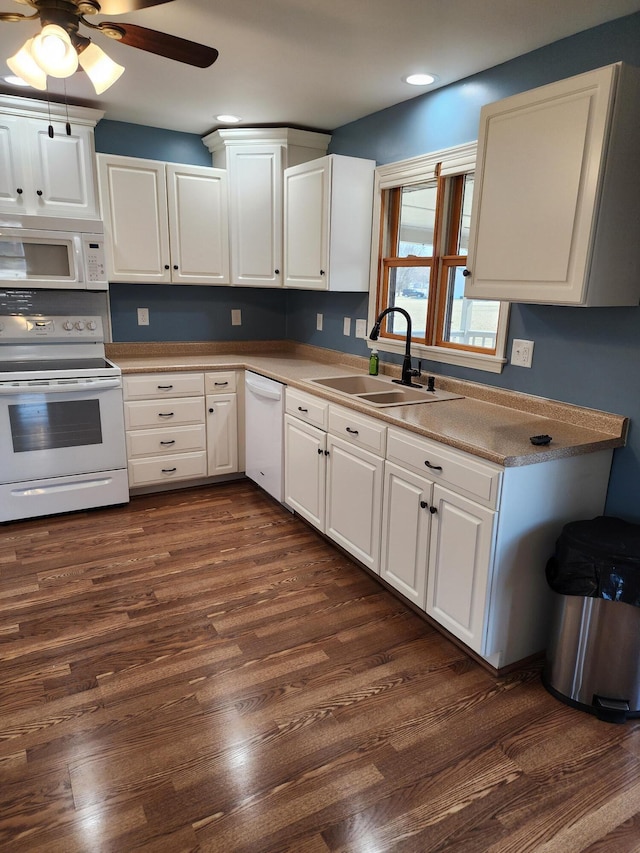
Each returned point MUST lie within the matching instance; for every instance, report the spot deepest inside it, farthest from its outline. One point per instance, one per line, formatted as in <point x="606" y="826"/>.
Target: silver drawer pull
<point x="165" y="387"/>
<point x="169" y="470"/>
<point x="165" y="414"/>
<point x="352" y="431"/>
<point x="433" y="467"/>
<point x="167" y="443"/>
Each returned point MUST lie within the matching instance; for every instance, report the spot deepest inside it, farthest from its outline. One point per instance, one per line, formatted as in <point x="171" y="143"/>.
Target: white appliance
<point x="71" y="257"/>
<point x="264" y="407"/>
<point x="62" y="440"/>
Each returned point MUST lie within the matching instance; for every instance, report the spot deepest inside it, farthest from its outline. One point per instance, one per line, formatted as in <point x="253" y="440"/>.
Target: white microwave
<point x="57" y="260"/>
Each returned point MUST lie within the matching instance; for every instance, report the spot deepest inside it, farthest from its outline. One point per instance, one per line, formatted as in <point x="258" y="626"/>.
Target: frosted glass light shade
<point x="101" y="69"/>
<point x="24" y="65"/>
<point x="53" y="51"/>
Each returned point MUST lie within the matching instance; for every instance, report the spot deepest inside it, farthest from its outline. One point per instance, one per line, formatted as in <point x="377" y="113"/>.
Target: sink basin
<point x="381" y="392"/>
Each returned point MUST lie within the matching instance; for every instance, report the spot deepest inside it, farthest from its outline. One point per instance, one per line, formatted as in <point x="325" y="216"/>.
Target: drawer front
<point x="310" y="409"/>
<point x="153" y="442"/>
<point x="220" y="382"/>
<point x="157" y="385"/>
<point x="445" y="465"/>
<point x="358" y="429"/>
<point x="181" y="466"/>
<point x="153" y="413"/>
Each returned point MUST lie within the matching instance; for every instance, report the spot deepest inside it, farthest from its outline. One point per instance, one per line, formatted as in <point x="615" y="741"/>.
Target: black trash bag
<point x="599" y="558"/>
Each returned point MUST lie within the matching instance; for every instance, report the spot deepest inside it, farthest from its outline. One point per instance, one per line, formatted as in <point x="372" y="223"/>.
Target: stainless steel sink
<point x="380" y="392"/>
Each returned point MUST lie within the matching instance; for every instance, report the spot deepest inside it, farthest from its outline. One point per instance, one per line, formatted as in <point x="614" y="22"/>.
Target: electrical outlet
<point x="347" y="326"/>
<point x="361" y="328"/>
<point x="521" y="353"/>
<point x="143" y="316"/>
<point x="236" y="317"/>
<point x="318" y="322"/>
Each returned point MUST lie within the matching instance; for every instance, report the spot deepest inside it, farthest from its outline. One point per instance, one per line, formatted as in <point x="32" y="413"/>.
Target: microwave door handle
<point x="65" y="388"/>
<point x="78" y="257"/>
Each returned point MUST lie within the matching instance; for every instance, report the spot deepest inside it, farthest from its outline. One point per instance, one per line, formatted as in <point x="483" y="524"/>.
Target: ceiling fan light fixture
<point x="24" y="66"/>
<point x="53" y="51"/>
<point x="100" y="68"/>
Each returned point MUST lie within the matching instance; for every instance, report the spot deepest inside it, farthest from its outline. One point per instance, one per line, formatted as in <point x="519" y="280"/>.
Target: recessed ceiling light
<point x="12" y="80"/>
<point x="228" y="119"/>
<point x="420" y="79"/>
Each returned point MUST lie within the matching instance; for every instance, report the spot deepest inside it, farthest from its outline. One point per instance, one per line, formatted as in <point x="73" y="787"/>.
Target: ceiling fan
<point x="60" y="46"/>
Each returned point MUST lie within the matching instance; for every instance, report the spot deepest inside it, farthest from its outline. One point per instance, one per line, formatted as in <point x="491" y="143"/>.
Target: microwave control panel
<point x="93" y="245"/>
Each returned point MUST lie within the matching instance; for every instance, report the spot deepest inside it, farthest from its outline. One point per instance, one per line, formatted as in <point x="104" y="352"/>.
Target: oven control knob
<point x="92" y="325"/>
<point x="67" y="325"/>
<point x="79" y="324"/>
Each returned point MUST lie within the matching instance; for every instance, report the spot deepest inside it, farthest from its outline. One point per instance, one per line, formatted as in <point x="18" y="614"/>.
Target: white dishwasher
<point x="264" y="410"/>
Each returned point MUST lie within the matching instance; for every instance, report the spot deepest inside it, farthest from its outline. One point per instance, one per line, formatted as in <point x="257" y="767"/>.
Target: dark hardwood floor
<point x="200" y="671"/>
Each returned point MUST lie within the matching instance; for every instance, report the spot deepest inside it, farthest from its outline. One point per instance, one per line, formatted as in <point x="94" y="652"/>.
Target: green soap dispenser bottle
<point x="374" y="363"/>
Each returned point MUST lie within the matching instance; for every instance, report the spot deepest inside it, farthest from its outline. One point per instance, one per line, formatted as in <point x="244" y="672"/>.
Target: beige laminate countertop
<point x="488" y="422"/>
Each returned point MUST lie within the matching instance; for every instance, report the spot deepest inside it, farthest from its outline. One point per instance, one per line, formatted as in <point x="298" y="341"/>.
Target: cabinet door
<point x="134" y="208"/>
<point x="13" y="179"/>
<point x="540" y="158"/>
<point x="198" y="228"/>
<point x="63" y="170"/>
<point x="406" y="522"/>
<point x="222" y="434"/>
<point x="255" y="215"/>
<point x="305" y="470"/>
<point x="307" y="190"/>
<point x="354" y="500"/>
<point x="460" y="557"/>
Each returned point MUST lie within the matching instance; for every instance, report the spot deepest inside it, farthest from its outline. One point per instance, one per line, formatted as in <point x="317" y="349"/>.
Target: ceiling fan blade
<point x="122" y="7"/>
<point x="181" y="50"/>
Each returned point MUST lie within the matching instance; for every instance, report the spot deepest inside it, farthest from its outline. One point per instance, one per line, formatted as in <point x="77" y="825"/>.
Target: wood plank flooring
<point x="200" y="671"/>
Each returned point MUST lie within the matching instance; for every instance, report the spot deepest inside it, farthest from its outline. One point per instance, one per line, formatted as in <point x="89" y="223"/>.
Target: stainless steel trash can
<point x="593" y="656"/>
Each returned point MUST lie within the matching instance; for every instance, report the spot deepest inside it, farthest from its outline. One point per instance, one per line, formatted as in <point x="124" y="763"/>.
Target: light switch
<point x="347" y="326"/>
<point x="236" y="317"/>
<point x="361" y="328"/>
<point x="319" y="322"/>
<point x="143" y="316"/>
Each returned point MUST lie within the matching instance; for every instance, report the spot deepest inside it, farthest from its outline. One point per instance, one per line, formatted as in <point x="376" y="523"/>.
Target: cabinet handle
<point x="320" y="451"/>
<point x="19" y="190"/>
<point x="38" y="192"/>
<point x="276" y="272"/>
<point x="165" y="414"/>
<point x="166" y="266"/>
<point x="211" y="411"/>
<point x="220" y="383"/>
<point x="167" y="443"/>
<point x="175" y="266"/>
<point x="433" y="467"/>
<point x="352" y="431"/>
<point x="326" y="452"/>
<point x="300" y="409"/>
<point x="466" y="273"/>
<point x="424" y="504"/>
<point x="321" y="272"/>
<point x="169" y="470"/>
<point x="433" y="510"/>
<point x="165" y="387"/>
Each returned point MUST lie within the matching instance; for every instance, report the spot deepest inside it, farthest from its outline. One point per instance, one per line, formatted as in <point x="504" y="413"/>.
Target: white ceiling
<point x="312" y="63"/>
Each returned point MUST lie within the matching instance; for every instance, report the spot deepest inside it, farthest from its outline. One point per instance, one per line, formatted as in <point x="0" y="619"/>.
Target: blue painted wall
<point x="589" y="357"/>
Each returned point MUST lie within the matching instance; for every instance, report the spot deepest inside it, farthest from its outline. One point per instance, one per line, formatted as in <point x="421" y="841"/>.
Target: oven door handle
<point x="94" y="385"/>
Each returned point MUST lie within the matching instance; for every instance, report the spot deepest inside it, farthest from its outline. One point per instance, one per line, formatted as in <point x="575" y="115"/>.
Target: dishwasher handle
<point x="268" y="389"/>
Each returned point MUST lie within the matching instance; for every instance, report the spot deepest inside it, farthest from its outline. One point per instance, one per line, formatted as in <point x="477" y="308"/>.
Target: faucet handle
<point x="418" y="371"/>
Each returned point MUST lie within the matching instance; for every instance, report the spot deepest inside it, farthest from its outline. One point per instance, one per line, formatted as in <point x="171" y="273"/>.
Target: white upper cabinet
<point x="328" y="206"/>
<point x="164" y="222"/>
<point x="255" y="160"/>
<point x="44" y="175"/>
<point x="557" y="194"/>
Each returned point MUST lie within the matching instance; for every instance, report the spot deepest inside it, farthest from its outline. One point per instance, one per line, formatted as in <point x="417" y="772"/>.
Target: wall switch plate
<point x="347" y="326"/>
<point x="143" y="316"/>
<point x="521" y="353"/>
<point x="236" y="317"/>
<point x="318" y="322"/>
<point x="361" y="328"/>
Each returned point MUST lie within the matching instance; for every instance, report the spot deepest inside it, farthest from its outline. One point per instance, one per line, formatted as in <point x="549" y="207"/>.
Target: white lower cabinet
<point x="172" y="436"/>
<point x="222" y="423"/>
<point x="335" y="483"/>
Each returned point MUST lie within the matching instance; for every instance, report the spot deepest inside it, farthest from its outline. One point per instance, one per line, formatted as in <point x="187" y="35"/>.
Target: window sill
<point x="473" y="360"/>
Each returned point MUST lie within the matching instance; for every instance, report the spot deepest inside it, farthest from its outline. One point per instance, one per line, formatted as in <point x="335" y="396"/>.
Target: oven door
<point x="60" y="428"/>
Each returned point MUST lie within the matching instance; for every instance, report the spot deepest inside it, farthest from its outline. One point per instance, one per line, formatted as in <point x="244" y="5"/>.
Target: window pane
<point x="409" y="289"/>
<point x="472" y="322"/>
<point x="417" y="221"/>
<point x="465" y="219"/>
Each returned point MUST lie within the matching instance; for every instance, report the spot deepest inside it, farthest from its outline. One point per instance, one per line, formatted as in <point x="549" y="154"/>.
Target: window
<point x="419" y="259"/>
